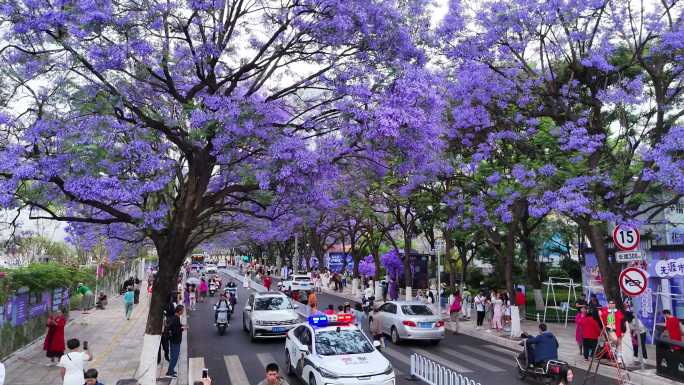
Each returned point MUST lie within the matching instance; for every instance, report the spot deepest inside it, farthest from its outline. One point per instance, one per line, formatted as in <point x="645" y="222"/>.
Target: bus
<point x="197" y="261"/>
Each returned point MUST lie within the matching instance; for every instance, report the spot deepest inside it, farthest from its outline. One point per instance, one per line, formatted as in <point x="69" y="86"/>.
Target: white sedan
<point x="329" y="350"/>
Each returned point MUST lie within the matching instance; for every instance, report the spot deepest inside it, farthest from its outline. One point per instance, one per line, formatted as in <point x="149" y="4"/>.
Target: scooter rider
<point x="222" y="305"/>
<point x="543" y="347"/>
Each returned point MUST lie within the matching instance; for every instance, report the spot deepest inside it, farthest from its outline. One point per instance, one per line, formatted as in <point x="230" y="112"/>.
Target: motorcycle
<point x="231" y="290"/>
<point x="552" y="372"/>
<point x="222" y="321"/>
<point x="212" y="289"/>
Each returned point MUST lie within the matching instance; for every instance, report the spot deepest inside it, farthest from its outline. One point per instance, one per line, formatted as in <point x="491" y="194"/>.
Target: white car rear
<point x="298" y="282"/>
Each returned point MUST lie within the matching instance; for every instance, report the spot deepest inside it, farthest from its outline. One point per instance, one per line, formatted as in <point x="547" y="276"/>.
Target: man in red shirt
<point x="672" y="327"/>
<point x="520" y="302"/>
<point x="612" y="319"/>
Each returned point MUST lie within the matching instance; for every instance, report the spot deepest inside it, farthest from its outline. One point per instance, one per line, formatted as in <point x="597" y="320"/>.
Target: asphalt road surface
<point x="233" y="359"/>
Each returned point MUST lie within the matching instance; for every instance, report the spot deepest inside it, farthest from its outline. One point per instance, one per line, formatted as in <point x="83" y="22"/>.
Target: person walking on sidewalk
<point x="87" y="298"/>
<point x="129" y="300"/>
<point x="54" y="339"/>
<point x="578" y="327"/>
<point x="72" y="364"/>
<point x="497" y="313"/>
<point x="467" y="303"/>
<point x="136" y="291"/>
<point x="591" y="331"/>
<point x="175" y="338"/>
<point x="480" y="302"/>
<point x="455" y="310"/>
<point x="638" y="334"/>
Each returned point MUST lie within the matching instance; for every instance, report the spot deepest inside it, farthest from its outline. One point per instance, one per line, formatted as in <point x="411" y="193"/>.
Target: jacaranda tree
<point x="167" y="120"/>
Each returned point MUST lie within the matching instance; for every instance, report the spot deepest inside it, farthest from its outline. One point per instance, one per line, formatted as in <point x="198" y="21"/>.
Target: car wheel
<point x="395" y="336"/>
<point x="289" y="370"/>
<point x="312" y="379"/>
<point x="252" y="335"/>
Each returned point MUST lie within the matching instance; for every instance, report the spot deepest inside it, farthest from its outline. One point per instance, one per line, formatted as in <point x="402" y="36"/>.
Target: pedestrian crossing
<point x="463" y="358"/>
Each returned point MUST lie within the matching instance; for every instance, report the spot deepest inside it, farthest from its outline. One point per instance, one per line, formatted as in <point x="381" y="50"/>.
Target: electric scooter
<point x="552" y="372"/>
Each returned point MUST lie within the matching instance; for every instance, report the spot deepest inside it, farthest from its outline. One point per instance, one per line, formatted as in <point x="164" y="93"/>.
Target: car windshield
<point x="333" y="342"/>
<point x="416" y="310"/>
<point x="272" y="303"/>
<point x="301" y="278"/>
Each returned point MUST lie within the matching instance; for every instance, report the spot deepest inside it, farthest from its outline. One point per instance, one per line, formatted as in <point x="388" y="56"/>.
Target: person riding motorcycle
<point x="542" y="348"/>
<point x="223" y="304"/>
<point x="231" y="284"/>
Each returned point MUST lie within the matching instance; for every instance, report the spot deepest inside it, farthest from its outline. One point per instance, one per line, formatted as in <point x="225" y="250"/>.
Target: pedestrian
<point x="87" y="298"/>
<point x="268" y="281"/>
<point x="101" y="301"/>
<point x="312" y="300"/>
<point x="497" y="313"/>
<point x="672" y="328"/>
<point x="393" y="290"/>
<point x="638" y="334"/>
<point x="129" y="300"/>
<point x="578" y="327"/>
<point x="480" y="308"/>
<point x="175" y="338"/>
<point x="203" y="288"/>
<point x="376" y="329"/>
<point x="168" y="312"/>
<point x="359" y="316"/>
<point x="136" y="291"/>
<point x="613" y="321"/>
<point x="384" y="290"/>
<point x="582" y="302"/>
<point x="54" y="339"/>
<point x="520" y="302"/>
<point x="91" y="377"/>
<point x="594" y="303"/>
<point x="272" y="375"/>
<point x="192" y="293"/>
<point x="455" y="311"/>
<point x="204" y="381"/>
<point x="489" y="312"/>
<point x="591" y="331"/>
<point x="245" y="281"/>
<point x="72" y="364"/>
<point x="330" y="310"/>
<point x="467" y="303"/>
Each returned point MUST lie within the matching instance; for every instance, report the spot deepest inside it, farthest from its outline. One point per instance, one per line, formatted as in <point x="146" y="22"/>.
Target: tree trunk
<point x="596" y="234"/>
<point x="170" y="261"/>
<point x="532" y="270"/>
<point x="408" y="275"/>
<point x="509" y="250"/>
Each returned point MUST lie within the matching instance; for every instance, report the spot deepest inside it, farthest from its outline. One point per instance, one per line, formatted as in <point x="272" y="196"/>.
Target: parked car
<point x="269" y="315"/>
<point x="409" y="320"/>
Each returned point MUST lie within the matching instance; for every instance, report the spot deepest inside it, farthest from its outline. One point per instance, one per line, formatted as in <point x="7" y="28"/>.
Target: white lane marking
<point x="482" y="352"/>
<point x="235" y="370"/>
<point x="195" y="366"/>
<point x="267" y="358"/>
<point x="500" y="349"/>
<point x="449" y="364"/>
<point x="471" y="360"/>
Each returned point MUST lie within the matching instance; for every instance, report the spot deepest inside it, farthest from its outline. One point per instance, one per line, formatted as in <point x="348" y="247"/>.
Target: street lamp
<point x="439" y="245"/>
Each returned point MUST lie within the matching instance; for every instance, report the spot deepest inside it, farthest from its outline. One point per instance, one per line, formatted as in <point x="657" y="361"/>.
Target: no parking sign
<point x="633" y="281"/>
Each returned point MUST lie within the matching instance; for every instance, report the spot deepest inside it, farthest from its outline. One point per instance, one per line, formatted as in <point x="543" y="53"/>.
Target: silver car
<point x="269" y="315"/>
<point x="409" y="320"/>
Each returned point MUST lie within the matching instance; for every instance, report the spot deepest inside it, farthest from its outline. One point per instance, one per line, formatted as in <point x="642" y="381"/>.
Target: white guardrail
<point x="433" y="373"/>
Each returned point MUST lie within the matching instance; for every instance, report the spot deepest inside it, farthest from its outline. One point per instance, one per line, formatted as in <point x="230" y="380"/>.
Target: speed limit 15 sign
<point x="626" y="238"/>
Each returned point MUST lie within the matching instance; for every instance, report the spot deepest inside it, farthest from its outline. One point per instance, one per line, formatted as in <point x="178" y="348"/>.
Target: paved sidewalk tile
<point x="114" y="341"/>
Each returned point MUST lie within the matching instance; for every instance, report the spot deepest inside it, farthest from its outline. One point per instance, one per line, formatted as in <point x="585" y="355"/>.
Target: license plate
<point x="425" y="325"/>
<point x="278" y="329"/>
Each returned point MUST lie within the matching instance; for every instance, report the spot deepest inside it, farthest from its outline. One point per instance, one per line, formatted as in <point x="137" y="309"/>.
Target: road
<point x="233" y="360"/>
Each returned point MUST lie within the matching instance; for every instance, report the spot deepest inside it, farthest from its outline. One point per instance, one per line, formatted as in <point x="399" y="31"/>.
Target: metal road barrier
<point x="433" y="373"/>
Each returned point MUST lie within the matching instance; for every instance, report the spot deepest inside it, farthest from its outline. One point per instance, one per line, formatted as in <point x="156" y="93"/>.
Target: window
<point x="305" y="338"/>
<point x="273" y="303"/>
<point x="416" y="310"/>
<point x="385" y="308"/>
<point x="333" y="342"/>
<point x="298" y="332"/>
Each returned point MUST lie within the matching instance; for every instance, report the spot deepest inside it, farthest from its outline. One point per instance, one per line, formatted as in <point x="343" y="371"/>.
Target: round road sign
<point x="633" y="281"/>
<point x="626" y="238"/>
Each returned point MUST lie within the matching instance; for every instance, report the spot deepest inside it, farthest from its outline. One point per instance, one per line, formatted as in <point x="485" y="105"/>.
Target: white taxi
<point x="330" y="350"/>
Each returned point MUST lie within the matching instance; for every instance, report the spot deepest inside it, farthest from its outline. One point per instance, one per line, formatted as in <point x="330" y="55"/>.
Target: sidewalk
<point x="114" y="342"/>
<point x="568" y="350"/>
